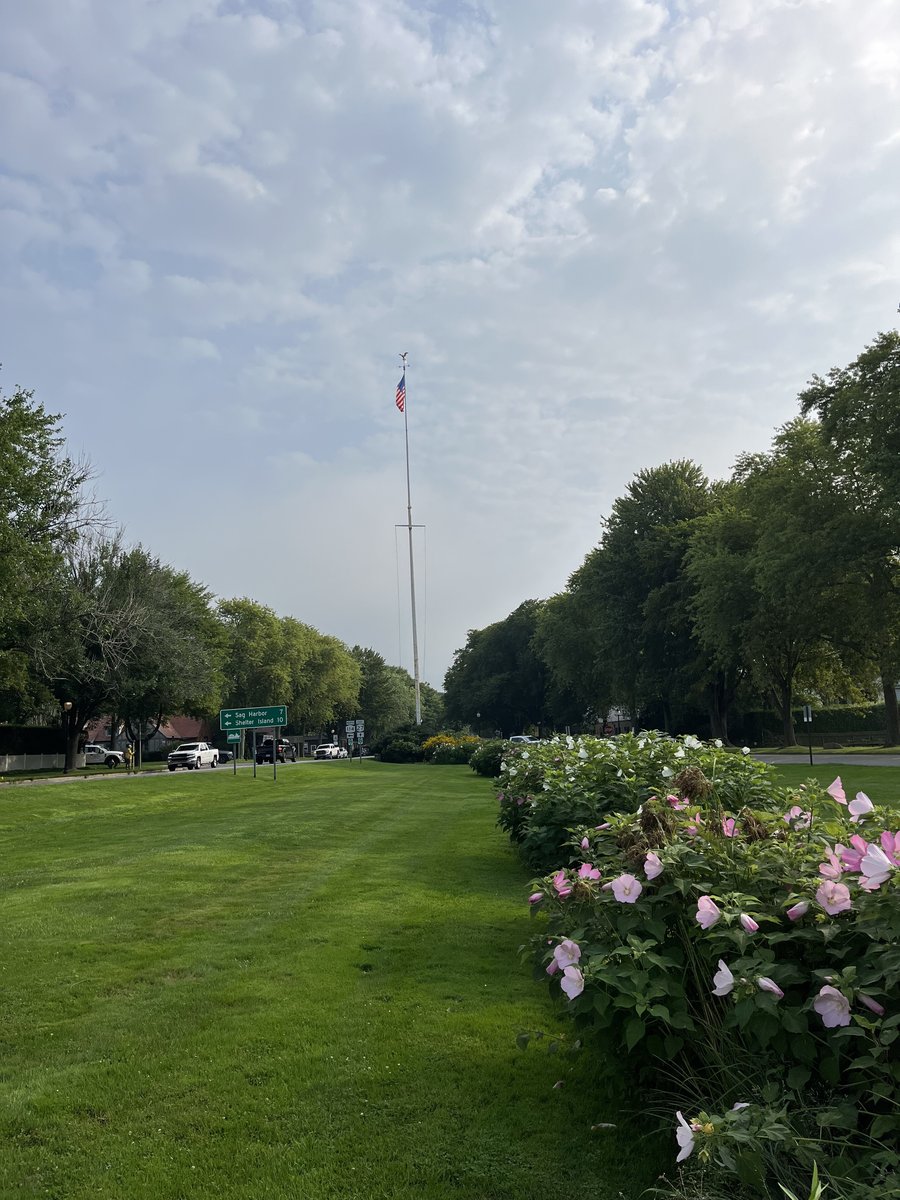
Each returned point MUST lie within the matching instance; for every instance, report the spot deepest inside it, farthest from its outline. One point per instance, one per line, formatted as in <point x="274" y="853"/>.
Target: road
<point x="120" y="773"/>
<point x="839" y="760"/>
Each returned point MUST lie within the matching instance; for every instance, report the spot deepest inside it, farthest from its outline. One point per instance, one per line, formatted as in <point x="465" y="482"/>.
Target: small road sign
<point x="234" y="736"/>
<point x="253" y="718"/>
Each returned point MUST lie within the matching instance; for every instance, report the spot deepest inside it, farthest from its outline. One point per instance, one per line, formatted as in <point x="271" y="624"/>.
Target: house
<point x="173" y="729"/>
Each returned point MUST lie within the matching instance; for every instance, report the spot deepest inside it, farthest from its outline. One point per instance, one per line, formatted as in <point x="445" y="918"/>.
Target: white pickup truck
<point x="193" y="755"/>
<point x="94" y="755"/>
<point x="328" y="750"/>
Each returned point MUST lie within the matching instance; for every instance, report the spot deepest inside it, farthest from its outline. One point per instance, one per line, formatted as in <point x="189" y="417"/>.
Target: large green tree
<point x="89" y="634"/>
<point x="43" y="508"/>
<point x="859" y="409"/>
<point x="765" y="590"/>
<point x="176" y="665"/>
<point x="386" y="695"/>
<point x="626" y="617"/>
<point x="499" y="674"/>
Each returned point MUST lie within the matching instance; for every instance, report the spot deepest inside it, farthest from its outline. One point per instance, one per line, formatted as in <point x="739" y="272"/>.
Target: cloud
<point x="608" y="234"/>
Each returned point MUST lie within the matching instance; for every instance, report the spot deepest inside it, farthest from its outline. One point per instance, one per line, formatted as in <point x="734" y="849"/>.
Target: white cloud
<point x="608" y="233"/>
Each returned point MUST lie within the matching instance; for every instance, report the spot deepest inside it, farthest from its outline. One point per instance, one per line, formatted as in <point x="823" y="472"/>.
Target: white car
<point x="94" y="755"/>
<point x="328" y="750"/>
<point x="521" y="739"/>
<point x="193" y="755"/>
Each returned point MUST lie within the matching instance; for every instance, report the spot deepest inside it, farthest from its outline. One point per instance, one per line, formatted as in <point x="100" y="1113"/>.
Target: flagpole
<point x="412" y="573"/>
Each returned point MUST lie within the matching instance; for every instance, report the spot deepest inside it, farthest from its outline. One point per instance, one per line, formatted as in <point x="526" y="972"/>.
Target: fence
<point x="35" y="762"/>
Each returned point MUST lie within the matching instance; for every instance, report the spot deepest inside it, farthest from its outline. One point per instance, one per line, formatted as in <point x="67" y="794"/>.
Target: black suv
<point x="285" y="751"/>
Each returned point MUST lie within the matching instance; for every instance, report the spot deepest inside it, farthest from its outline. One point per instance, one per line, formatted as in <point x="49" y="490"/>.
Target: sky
<point x="608" y="233"/>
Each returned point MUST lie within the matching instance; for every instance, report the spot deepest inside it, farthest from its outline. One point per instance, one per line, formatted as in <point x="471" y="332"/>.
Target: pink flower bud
<point x="750" y="926"/>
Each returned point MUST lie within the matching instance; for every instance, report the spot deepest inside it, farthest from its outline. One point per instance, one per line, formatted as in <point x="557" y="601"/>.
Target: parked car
<point x="522" y="739"/>
<point x="286" y="750"/>
<point x="328" y="750"/>
<point x="225" y="756"/>
<point x="94" y="755"/>
<point x="193" y="755"/>
<point x="343" y="752"/>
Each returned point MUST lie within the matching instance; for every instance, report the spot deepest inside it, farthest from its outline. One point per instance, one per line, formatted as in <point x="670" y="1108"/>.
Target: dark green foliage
<point x="31" y="739"/>
<point x="42" y="510"/>
<point x="399" y="748"/>
<point x="499" y="675"/>
<point x="486" y="759"/>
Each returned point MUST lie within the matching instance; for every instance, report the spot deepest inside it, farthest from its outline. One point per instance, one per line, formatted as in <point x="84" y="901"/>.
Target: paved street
<point x="843" y="760"/>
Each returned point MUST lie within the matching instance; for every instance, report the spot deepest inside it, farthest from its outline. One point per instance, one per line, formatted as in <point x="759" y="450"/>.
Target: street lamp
<point x="66" y="708"/>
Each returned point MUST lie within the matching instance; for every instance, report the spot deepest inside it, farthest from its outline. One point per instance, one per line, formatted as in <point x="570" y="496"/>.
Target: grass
<point x="881" y="784"/>
<point x="216" y="986"/>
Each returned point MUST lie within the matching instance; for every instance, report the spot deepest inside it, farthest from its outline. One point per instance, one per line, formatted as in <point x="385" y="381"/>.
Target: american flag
<point x="401" y="392"/>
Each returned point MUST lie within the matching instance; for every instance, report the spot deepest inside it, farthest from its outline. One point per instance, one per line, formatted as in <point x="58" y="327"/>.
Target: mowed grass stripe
<point x="216" y="986"/>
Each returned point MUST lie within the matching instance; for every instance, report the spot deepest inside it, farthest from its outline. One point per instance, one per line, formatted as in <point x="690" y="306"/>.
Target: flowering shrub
<point x="487" y="758"/>
<point x="739" y="930"/>
<point x="550" y="788"/>
<point x="450" y="747"/>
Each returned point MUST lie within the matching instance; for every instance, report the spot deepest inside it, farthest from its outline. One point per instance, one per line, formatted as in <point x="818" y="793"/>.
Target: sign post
<point x="233" y="720"/>
<point x="807" y="721"/>
<point x="234" y="736"/>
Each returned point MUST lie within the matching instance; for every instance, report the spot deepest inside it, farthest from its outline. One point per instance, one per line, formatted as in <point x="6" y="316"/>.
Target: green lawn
<point x="215" y="986"/>
<point x="881" y="784"/>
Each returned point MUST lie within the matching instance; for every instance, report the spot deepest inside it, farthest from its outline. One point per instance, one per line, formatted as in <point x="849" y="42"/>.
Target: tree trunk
<point x="787" y="717"/>
<point x="73" y="737"/>
<point x="892" y="734"/>
<point x="720" y="696"/>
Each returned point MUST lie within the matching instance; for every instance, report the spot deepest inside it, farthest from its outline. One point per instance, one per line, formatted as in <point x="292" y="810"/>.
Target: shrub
<point x="399" y="749"/>
<point x="487" y="758"/>
<point x="450" y="747"/>
<point x="753" y="944"/>
<point x="31" y="739"/>
<point x="552" y="787"/>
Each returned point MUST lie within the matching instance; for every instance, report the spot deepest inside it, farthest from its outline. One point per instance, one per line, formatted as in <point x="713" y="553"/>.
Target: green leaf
<point x="673" y="1044"/>
<point x="885" y="1124"/>
<point x="660" y="1010"/>
<point x="749" y="1168"/>
<point x="830" y="1070"/>
<point x="798" y="1078"/>
<point x="634" y="1031"/>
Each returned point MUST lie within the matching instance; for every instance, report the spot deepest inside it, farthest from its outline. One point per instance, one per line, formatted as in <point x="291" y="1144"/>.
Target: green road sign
<point x="253" y="718"/>
<point x="234" y="737"/>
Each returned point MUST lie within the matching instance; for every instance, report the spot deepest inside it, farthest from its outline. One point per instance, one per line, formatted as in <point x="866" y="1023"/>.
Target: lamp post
<point x="66" y="709"/>
<point x="478" y="719"/>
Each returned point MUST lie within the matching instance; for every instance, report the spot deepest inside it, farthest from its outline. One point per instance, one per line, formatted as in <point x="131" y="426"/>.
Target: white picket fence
<point x="35" y="762"/>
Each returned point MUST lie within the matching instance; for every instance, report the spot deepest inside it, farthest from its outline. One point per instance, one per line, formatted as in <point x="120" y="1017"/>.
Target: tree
<point x="176" y="666"/>
<point x="86" y="635"/>
<point x="43" y="508"/>
<point x="625" y="625"/>
<point x="577" y="689"/>
<point x="256" y="668"/>
<point x="386" y="695"/>
<point x="499" y="674"/>
<point x="328" y="687"/>
<point x="859" y="410"/>
<point x="764" y="589"/>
